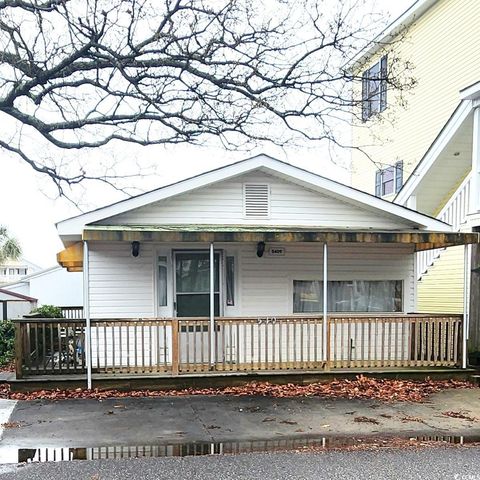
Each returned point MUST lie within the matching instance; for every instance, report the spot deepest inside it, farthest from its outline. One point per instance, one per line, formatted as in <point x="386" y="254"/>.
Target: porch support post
<point x="86" y="312"/>
<point x="325" y="303"/>
<point x="212" y="306"/>
<point x="466" y="305"/>
<point x="475" y="182"/>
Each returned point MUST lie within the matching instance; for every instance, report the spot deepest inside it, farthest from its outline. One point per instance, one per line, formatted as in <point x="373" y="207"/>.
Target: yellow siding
<point x="441" y="289"/>
<point x="444" y="48"/>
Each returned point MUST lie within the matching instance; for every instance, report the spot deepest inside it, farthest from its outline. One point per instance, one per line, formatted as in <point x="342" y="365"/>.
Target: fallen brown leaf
<point x="460" y="415"/>
<point x="409" y="418"/>
<point x="11" y="425"/>
<point x="362" y="387"/>
<point x="366" y="420"/>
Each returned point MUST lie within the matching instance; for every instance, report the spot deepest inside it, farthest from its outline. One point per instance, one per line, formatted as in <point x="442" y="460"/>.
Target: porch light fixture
<point x="260" y="249"/>
<point x="135" y="248"/>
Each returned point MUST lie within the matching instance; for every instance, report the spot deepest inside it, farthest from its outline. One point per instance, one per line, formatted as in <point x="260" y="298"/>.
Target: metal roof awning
<point x="422" y="240"/>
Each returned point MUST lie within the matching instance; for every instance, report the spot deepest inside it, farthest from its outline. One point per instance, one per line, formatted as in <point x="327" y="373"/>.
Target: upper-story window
<point x="389" y="180"/>
<point x="374" y="89"/>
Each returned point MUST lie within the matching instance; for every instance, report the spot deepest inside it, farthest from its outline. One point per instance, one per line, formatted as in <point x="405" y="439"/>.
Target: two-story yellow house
<point x="421" y="144"/>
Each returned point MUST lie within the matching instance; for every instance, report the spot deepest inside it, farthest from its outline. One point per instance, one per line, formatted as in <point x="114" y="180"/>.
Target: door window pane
<point x="193" y="272"/>
<point x="196" y="305"/>
<point x="192" y="276"/>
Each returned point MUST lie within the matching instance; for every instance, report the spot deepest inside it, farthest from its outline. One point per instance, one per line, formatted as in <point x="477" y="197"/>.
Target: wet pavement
<point x="425" y="464"/>
<point x="197" y="419"/>
<point x="52" y="431"/>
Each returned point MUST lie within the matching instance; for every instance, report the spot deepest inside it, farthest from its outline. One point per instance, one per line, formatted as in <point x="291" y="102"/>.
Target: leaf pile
<point x="360" y="388"/>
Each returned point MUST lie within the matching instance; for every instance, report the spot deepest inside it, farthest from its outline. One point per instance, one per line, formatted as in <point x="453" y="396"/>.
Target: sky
<point x="29" y="207"/>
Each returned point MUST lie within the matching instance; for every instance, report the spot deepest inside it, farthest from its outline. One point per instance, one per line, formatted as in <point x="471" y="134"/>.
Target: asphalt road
<point x="426" y="464"/>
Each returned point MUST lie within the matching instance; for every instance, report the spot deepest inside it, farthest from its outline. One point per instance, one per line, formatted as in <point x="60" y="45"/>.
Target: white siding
<point x="58" y="287"/>
<point x="266" y="283"/>
<point x="16" y="308"/>
<point x="222" y="203"/>
<point x="122" y="286"/>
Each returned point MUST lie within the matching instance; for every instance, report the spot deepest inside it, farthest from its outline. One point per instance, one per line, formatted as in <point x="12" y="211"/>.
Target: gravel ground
<point x="427" y="464"/>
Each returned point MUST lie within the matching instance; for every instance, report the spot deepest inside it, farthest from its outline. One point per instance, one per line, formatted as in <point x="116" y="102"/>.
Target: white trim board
<point x="407" y="18"/>
<point x="438" y="146"/>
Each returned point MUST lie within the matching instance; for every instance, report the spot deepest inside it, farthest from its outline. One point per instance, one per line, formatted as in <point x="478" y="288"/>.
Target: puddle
<point x="13" y="455"/>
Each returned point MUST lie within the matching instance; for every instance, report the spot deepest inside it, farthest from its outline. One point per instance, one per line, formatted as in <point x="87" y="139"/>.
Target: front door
<point x="192" y="283"/>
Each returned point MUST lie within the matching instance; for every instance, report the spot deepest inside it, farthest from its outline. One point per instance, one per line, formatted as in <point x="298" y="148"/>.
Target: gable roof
<point x="75" y="226"/>
<point x="27" y="278"/>
<point x="407" y="18"/>
<point x="15" y="296"/>
<point x="448" y="158"/>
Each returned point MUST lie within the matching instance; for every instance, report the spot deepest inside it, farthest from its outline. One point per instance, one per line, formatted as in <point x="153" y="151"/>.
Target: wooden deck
<point x="173" y="347"/>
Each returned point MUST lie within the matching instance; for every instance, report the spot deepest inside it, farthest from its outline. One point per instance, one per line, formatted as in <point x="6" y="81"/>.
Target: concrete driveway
<point x="196" y="419"/>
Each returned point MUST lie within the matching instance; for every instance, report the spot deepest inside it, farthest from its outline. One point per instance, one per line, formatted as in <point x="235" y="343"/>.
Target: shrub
<point x="7" y="341"/>
<point x="48" y="311"/>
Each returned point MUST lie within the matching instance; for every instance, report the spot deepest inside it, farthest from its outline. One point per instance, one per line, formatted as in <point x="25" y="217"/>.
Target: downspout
<point x="325" y="302"/>
<point x="466" y="304"/>
<point x="86" y="312"/>
<point x="212" y="306"/>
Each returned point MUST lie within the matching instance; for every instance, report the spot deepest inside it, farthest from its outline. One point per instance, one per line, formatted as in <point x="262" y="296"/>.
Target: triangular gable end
<point x="279" y="202"/>
<point x="71" y="229"/>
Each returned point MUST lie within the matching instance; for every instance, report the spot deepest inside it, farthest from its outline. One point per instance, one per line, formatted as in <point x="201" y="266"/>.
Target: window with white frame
<point x="348" y="296"/>
<point x="389" y="180"/>
<point x="374" y="89"/>
<point x="230" y="280"/>
<point x="162" y="280"/>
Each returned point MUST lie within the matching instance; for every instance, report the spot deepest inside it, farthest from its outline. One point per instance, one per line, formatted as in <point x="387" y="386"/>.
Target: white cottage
<point x="255" y="266"/>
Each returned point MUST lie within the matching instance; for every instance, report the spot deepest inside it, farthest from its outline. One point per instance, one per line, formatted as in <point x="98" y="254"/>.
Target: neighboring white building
<point x="14" y="270"/>
<point x="14" y="305"/>
<point x="52" y="286"/>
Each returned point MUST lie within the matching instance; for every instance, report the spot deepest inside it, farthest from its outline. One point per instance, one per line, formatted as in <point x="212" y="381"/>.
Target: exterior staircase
<point x="440" y="272"/>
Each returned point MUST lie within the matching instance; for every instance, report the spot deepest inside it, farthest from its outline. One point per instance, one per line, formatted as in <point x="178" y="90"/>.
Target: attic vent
<point x="256" y="200"/>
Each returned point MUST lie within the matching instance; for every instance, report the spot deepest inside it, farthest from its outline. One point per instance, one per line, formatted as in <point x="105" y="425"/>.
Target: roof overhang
<point x="7" y="295"/>
<point x="407" y="18"/>
<point x="421" y="240"/>
<point x="445" y="164"/>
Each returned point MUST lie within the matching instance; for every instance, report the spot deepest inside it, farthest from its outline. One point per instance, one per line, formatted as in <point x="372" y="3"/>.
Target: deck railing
<point x="72" y="312"/>
<point x="182" y="346"/>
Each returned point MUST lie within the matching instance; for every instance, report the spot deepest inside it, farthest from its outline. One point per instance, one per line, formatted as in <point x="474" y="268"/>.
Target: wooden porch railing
<point x="182" y="346"/>
<point x="72" y="312"/>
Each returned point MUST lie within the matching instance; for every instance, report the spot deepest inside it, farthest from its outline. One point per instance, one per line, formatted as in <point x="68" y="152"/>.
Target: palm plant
<point x="9" y="247"/>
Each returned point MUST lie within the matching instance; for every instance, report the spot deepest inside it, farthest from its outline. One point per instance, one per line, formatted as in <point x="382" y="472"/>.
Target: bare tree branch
<point x="81" y="74"/>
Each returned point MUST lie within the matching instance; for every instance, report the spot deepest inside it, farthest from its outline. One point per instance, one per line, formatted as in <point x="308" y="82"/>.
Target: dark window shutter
<point x="398" y="176"/>
<point x="383" y="82"/>
<point x="378" y="183"/>
<point x="365" y="101"/>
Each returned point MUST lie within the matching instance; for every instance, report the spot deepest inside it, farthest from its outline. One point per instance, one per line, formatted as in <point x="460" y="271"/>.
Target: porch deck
<point x="185" y="347"/>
